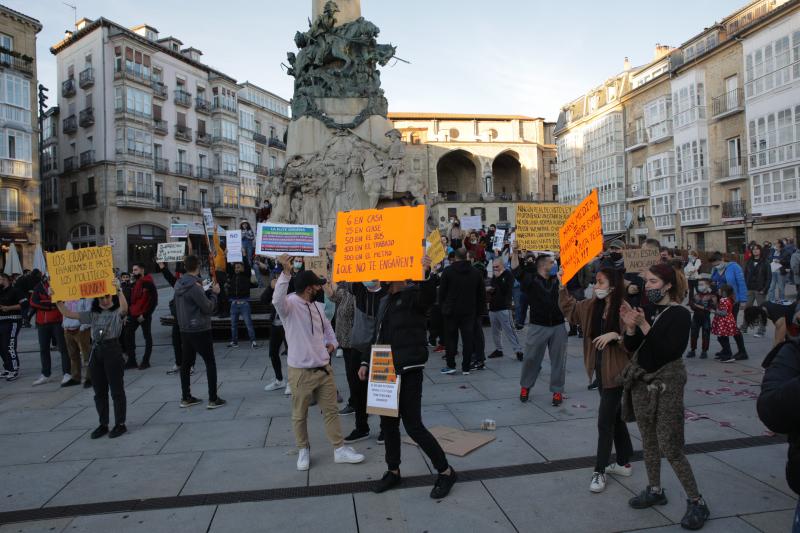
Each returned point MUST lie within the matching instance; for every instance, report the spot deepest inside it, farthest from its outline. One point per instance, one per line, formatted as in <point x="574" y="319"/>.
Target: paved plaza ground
<point x="233" y="469"/>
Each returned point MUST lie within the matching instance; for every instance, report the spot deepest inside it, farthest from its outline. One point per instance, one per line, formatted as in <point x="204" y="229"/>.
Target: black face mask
<point x="137" y="276"/>
<point x="615" y="256"/>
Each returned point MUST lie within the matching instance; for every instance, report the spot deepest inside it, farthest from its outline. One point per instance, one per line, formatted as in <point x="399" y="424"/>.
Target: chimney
<point x="661" y="50"/>
<point x="67" y="34"/>
<point x="82" y="23"/>
<point x="626" y="65"/>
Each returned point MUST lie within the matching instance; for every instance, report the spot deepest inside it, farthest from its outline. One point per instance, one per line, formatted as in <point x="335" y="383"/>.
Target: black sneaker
<point x="71" y="383"/>
<point x="12" y="376"/>
<point x="648" y="498"/>
<point x="381" y="440"/>
<point x="519" y="356"/>
<point x="741" y="356"/>
<point x="117" y="431"/>
<point x="443" y="484"/>
<point x="346" y="410"/>
<point x="594" y="385"/>
<point x="691" y="354"/>
<point x="214" y="404"/>
<point x="190" y="401"/>
<point x="696" y="514"/>
<point x="703" y="355"/>
<point x="719" y="355"/>
<point x="727" y="358"/>
<point x="99" y="432"/>
<point x="495" y="354"/>
<point x="478" y="365"/>
<point x="144" y="365"/>
<point x="356" y="436"/>
<point x="389" y="480"/>
<point x="131" y="364"/>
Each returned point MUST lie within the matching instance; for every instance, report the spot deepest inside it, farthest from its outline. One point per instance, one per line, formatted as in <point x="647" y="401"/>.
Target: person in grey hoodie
<point x="194" y="308"/>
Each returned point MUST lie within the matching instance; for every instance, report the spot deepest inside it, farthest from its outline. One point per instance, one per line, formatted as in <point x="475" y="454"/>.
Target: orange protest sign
<point x="581" y="236"/>
<point x="436" y="248"/>
<point x="382" y="244"/>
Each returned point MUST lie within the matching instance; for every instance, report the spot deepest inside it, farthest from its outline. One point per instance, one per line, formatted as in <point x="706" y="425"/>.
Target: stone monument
<point x="342" y="151"/>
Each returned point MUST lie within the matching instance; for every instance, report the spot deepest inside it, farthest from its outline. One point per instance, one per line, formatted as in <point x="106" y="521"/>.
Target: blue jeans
<point x="777" y="288"/>
<point x="522" y="309"/>
<point x="241" y="307"/>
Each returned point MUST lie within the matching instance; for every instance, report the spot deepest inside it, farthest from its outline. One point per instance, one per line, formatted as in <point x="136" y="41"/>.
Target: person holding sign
<point x="106" y="360"/>
<point x="311" y="342"/>
<point x="401" y="325"/>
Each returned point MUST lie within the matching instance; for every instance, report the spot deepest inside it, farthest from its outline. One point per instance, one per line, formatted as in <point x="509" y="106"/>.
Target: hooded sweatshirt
<point x="144" y="297"/>
<point x="194" y="308"/>
<point x="461" y="290"/>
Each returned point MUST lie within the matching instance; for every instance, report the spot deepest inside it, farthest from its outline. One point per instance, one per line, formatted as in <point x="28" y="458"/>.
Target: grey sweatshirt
<point x="193" y="307"/>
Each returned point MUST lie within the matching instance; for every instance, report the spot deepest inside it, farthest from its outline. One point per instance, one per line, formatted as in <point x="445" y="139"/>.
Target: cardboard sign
<point x="639" y="260"/>
<point x="499" y="238"/>
<point x="208" y="220"/>
<point x="277" y="239"/>
<point x="318" y="265"/>
<point x="383" y="388"/>
<point x="581" y="236"/>
<point x="179" y="231"/>
<point x="382" y="244"/>
<point x="538" y="225"/>
<point x="435" y="248"/>
<point x="233" y="243"/>
<point x="83" y="273"/>
<point x="456" y="441"/>
<point x="170" y="252"/>
<point x="470" y="223"/>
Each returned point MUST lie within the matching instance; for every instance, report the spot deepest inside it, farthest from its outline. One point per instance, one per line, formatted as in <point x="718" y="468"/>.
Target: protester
<point x="724" y="325"/>
<point x="277" y="337"/>
<point x="343" y="327"/>
<point x="263" y="214"/>
<point x="402" y="326"/>
<point x="702" y="305"/>
<point x="11" y="300"/>
<point x="194" y="308"/>
<point x="48" y="329"/>
<point x="654" y="384"/>
<point x="780" y="267"/>
<point x="78" y="338"/>
<point x="239" y="300"/>
<point x="248" y="241"/>
<point x="692" y="272"/>
<point x="757" y="277"/>
<point x="730" y="273"/>
<point x="106" y="361"/>
<point x="25" y="284"/>
<point x="456" y="234"/>
<point x="779" y="314"/>
<point x="500" y="317"/>
<point x="176" y="330"/>
<point x="604" y="357"/>
<point x="220" y="265"/>
<point x="144" y="300"/>
<point x="311" y="342"/>
<point x="546" y="332"/>
<point x="461" y="296"/>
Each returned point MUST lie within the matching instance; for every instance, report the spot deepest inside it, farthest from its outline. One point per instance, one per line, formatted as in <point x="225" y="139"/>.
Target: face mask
<point x="298" y="265"/>
<point x="654" y="295"/>
<point x="371" y="284"/>
<point x="720" y="267"/>
<point x="137" y="276"/>
<point x="615" y="256"/>
<point x="703" y="288"/>
<point x="601" y="293"/>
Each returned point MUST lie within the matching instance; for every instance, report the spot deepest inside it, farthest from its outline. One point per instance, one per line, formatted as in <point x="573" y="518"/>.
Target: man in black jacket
<point x="757" y="276"/>
<point x="401" y="324"/>
<point x="239" y="302"/>
<point x="546" y="330"/>
<point x="500" y="309"/>
<point x="462" y="298"/>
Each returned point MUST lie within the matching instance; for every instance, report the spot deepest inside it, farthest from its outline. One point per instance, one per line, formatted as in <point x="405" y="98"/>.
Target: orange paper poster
<point x="436" y="248"/>
<point x="83" y="273"/>
<point x="581" y="236"/>
<point x="380" y="244"/>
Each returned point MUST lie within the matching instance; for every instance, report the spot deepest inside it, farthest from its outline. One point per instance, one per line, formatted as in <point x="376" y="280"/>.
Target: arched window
<point x="83" y="236"/>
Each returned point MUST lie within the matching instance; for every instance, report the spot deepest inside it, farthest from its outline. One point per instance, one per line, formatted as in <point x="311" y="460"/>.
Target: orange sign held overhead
<point x="83" y="273"/>
<point x="380" y="244"/>
<point x="581" y="236"/>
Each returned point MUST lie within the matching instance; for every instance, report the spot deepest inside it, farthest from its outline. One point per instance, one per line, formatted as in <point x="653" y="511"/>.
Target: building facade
<point x="146" y="135"/>
<point x="480" y="164"/>
<point x="20" y="223"/>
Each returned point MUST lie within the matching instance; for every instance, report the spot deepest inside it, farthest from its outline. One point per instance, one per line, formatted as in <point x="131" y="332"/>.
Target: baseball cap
<point x="307" y="278"/>
<point x="616" y="243"/>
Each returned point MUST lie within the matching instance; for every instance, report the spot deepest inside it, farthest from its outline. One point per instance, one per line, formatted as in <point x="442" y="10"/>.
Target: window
<point x="273" y="162"/>
<point x="83" y="236"/>
<point x="159" y="188"/>
<point x="9" y="205"/>
<point x="773" y="138"/>
<point x="247" y="119"/>
<point x="136" y="62"/>
<point x="136" y="101"/>
<point x="50" y="192"/>
<point x="90" y="184"/>
<point x="229" y="164"/>
<point x="656" y="116"/>
<point x="6" y="41"/>
<point x="15" y="145"/>
<point x="225" y="129"/>
<point x="135" y="142"/>
<point x="776" y="186"/>
<point x="203" y="198"/>
<point x="15" y="99"/>
<point x="182" y="193"/>
<point x="135" y="183"/>
<point x="502" y="213"/>
<point x="247" y="152"/>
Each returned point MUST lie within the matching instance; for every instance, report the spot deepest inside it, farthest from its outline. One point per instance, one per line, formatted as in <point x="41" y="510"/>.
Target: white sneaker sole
<point x="348" y="461"/>
<point x="596" y="490"/>
<point x="629" y="473"/>
<point x="303" y="468"/>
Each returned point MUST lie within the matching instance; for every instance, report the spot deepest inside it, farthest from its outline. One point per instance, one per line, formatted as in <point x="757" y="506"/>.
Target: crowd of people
<point x="635" y="328"/>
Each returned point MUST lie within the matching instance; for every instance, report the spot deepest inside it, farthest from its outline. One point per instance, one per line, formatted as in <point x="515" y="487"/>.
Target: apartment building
<point x="145" y="135"/>
<point x="19" y="136"/>
<point x="710" y="136"/>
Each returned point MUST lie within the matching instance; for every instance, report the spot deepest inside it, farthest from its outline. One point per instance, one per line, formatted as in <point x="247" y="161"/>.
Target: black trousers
<point x="106" y="369"/>
<point x="276" y="337"/>
<point x="9" y="332"/>
<point x="692" y="288"/>
<point x="358" y="388"/>
<point x="176" y="344"/>
<point x="195" y="343"/>
<point x="223" y="307"/>
<point x="480" y="341"/>
<point x="411" y="414"/>
<point x="130" y="339"/>
<point x="739" y="338"/>
<point x="465" y="325"/>
<point x="611" y="430"/>
<point x="725" y="342"/>
<point x="436" y="326"/>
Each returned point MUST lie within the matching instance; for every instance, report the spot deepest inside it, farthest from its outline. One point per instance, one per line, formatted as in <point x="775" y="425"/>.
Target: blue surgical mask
<point x="371" y="284"/>
<point x="297" y="265"/>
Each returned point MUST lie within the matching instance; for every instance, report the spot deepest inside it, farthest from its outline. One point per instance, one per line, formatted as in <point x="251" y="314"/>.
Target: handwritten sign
<point x="277" y="239"/>
<point x="170" y="252"/>
<point x="581" y="236"/>
<point x="83" y="273"/>
<point x="383" y="388"/>
<point x="382" y="244"/>
<point x="499" y="238"/>
<point x="538" y="225"/>
<point x="318" y="265"/>
<point x="233" y="243"/>
<point x="436" y="248"/>
<point x="470" y="223"/>
<point x="208" y="220"/>
<point x="179" y="231"/>
<point x="639" y="260"/>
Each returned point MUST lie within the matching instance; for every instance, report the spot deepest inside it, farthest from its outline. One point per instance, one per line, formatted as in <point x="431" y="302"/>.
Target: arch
<point x="143" y="240"/>
<point x="457" y="173"/>
<point x="83" y="236"/>
<point x="507" y="173"/>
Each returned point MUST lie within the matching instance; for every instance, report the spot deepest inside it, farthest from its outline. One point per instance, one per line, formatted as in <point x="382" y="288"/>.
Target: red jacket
<point x="46" y="310"/>
<point x="144" y="297"/>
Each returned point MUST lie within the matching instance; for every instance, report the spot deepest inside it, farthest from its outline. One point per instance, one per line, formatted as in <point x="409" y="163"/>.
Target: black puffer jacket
<point x="542" y="297"/>
<point x="757" y="274"/>
<point x="461" y="290"/>
<point x="239" y="286"/>
<point x="779" y="400"/>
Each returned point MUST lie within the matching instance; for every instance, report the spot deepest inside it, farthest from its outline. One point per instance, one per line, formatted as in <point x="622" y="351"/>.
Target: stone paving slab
<point x="137" y="415"/>
<point x="562" y="439"/>
<point x="190" y="520"/>
<point x="30" y="486"/>
<point x="721" y="525"/>
<point x="774" y="522"/>
<point x="29" y="448"/>
<point x="35" y="420"/>
<point x="767" y="464"/>
<point x="508" y="412"/>
<point x="145" y="440"/>
<point x="312" y="515"/>
<point x="172" y="412"/>
<point x="39" y="526"/>
<point x="217" y="435"/>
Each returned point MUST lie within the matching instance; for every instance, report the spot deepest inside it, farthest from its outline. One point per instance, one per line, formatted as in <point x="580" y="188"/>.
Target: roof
<point x="140" y="26"/>
<point x="398" y="115"/>
<point x="22" y="17"/>
<point x="263" y="90"/>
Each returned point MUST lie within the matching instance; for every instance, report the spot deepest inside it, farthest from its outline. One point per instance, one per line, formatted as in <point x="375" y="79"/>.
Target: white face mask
<point x="601" y="293"/>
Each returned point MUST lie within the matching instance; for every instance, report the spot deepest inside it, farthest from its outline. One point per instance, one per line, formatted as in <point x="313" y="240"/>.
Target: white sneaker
<point x="303" y="459"/>
<point x="346" y="454"/>
<point x="288" y="391"/>
<point x="339" y="353"/>
<point x="66" y="378"/>
<point x="254" y="344"/>
<point x="598" y="483"/>
<point x="617" y="470"/>
<point x="4" y="374"/>
<point x="41" y="380"/>
<point x="275" y="385"/>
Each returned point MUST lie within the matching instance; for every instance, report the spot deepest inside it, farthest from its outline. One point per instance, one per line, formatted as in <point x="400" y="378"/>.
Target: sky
<point x="523" y="57"/>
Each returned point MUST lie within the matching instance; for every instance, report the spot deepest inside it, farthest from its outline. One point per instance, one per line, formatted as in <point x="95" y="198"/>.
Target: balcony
<point x="179" y="205"/>
<point x="73" y="204"/>
<point x="689" y="116"/>
<point x="226" y="209"/>
<point x="473" y="197"/>
<point x="636" y="191"/>
<point x="86" y="117"/>
<point x="226" y="173"/>
<point x="70" y="124"/>
<point x="89" y="199"/>
<point x="274" y="142"/>
<point x="216" y="139"/>
<point x="734" y="209"/>
<point x="183" y="169"/>
<point x="261" y="170"/>
<point x="15" y="219"/>
<point x="16" y="61"/>
<point x="160" y="127"/>
<point x="775" y="155"/>
<point x="140" y="199"/>
<point x="260" y="138"/>
<point x="204" y="173"/>
<point x="635" y="140"/>
<point x="201" y="105"/>
<point x="731" y="169"/>
<point x="68" y="88"/>
<point x="86" y="78"/>
<point x="659" y="132"/>
<point x="203" y="139"/>
<point x="727" y="104"/>
<point x="131" y="155"/>
<point x="69" y="164"/>
<point x="125" y="113"/>
<point x="87" y="158"/>
<point x="15" y="168"/>
<point x="224" y="104"/>
<point x="664" y="222"/>
<point x="49" y="164"/>
<point x="159" y="90"/>
<point x="182" y="133"/>
<point x="161" y="164"/>
<point x="133" y="74"/>
<point x="182" y="98"/>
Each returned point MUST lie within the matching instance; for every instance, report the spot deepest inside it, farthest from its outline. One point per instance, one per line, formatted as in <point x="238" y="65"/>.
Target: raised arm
<point x="282" y="287"/>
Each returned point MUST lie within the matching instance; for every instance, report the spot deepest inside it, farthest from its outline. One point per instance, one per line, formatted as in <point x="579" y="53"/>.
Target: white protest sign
<point x="470" y="223"/>
<point x="179" y="231"/>
<point x="383" y="388"/>
<point x="233" y="241"/>
<point x="171" y="252"/>
<point x="499" y="237"/>
<point x="208" y="219"/>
